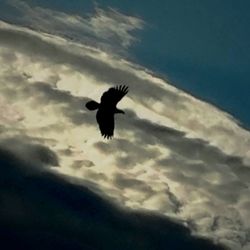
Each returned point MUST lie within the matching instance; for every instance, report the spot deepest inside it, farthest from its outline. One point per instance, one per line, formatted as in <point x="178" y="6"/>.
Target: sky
<point x="201" y="47"/>
<point x="178" y="166"/>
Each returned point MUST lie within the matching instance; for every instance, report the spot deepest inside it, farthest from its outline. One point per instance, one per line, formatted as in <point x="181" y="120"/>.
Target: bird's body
<point x="107" y="109"/>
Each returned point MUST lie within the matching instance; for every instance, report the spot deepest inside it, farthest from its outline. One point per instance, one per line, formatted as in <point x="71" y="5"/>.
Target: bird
<point x="107" y="109"/>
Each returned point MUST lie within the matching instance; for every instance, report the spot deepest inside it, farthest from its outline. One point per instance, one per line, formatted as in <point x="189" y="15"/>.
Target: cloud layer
<point x="40" y="210"/>
<point x="103" y="28"/>
<point x="172" y="154"/>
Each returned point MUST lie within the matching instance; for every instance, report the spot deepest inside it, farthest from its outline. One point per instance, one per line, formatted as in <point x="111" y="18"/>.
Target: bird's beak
<point x="120" y="111"/>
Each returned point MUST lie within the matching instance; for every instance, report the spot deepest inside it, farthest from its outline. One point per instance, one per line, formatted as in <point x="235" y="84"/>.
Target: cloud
<point x="105" y="28"/>
<point x="155" y="92"/>
<point x="172" y="153"/>
<point x="26" y="150"/>
<point x="125" y="182"/>
<point x="45" y="211"/>
<point x="96" y="65"/>
<point x="127" y="153"/>
<point x="82" y="163"/>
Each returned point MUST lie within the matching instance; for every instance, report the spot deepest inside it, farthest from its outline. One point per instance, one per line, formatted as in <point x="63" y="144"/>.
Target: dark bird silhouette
<point x="107" y="109"/>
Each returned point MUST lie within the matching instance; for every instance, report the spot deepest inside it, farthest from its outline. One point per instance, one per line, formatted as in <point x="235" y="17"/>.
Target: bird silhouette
<point x="107" y="109"/>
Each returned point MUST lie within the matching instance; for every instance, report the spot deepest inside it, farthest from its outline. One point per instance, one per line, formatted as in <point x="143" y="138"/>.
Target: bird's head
<point x="92" y="105"/>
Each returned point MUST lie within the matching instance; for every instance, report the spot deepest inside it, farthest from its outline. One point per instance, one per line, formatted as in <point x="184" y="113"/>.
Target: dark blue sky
<point x="202" y="47"/>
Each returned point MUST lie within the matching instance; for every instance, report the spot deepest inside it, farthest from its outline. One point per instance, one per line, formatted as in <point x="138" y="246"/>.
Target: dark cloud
<point x="78" y="164"/>
<point x="43" y="211"/>
<point x="93" y="175"/>
<point x="27" y="149"/>
<point x="66" y="152"/>
<point x="123" y="182"/>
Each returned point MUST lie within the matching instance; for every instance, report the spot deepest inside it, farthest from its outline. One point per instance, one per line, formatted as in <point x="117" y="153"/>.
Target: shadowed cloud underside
<point x="41" y="210"/>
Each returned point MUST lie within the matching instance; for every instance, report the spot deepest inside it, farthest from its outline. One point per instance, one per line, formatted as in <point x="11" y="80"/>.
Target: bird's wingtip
<point x="122" y="88"/>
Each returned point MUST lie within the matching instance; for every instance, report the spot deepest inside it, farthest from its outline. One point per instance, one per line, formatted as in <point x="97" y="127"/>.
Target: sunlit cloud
<point x="172" y="154"/>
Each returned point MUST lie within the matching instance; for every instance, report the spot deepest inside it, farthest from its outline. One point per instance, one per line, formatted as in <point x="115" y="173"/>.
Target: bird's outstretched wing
<point x="106" y="123"/>
<point x="114" y="95"/>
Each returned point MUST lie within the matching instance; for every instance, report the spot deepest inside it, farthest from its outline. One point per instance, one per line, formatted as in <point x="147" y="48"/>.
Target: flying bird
<point x="107" y="109"/>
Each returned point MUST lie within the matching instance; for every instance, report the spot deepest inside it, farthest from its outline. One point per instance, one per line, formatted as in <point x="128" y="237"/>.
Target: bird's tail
<point x="92" y="105"/>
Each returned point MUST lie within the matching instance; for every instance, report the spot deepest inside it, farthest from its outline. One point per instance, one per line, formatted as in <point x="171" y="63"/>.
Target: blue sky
<point x="200" y="46"/>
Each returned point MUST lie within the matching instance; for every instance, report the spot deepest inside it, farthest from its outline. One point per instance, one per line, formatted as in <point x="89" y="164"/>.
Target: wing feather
<point x="106" y="123"/>
<point x="114" y="95"/>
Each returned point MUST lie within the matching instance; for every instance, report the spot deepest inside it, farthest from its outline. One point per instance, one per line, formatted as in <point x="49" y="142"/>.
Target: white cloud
<point x="172" y="153"/>
<point x="105" y="29"/>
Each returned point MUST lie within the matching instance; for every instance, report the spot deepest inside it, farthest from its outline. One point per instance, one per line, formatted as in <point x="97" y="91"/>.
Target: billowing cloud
<point x="54" y="214"/>
<point x="172" y="154"/>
